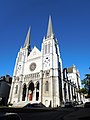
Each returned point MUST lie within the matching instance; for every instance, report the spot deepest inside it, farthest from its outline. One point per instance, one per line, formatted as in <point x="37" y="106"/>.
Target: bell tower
<point x="22" y="56"/>
<point x="51" y="66"/>
<point x="19" y="69"/>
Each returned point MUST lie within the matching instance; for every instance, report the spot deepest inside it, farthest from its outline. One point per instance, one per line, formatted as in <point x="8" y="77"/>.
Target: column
<point x="26" y="99"/>
<point x="19" y="92"/>
<point x="71" y="93"/>
<point x="34" y="94"/>
<point x="67" y="95"/>
<point x="40" y="93"/>
<point x="63" y="98"/>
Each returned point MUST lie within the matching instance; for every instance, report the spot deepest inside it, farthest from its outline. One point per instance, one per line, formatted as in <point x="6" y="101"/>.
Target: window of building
<point x="49" y="48"/>
<point x="65" y="73"/>
<point x="16" y="90"/>
<point x="46" y="86"/>
<point x="45" y="49"/>
<point x="47" y="74"/>
<point x="20" y="56"/>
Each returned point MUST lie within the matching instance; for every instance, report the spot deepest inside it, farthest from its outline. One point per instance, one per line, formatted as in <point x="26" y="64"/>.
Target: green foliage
<point x="83" y="90"/>
<point x="88" y="96"/>
<point x="86" y="83"/>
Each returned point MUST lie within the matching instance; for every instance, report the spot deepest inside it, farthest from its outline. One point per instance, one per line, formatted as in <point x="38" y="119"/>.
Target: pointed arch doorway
<point x="30" y="90"/>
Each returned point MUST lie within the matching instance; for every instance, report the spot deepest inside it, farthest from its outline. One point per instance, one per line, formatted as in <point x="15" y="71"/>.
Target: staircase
<point x="23" y="103"/>
<point x="20" y="104"/>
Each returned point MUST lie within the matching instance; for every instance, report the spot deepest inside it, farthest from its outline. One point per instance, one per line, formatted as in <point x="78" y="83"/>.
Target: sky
<point x="71" y="25"/>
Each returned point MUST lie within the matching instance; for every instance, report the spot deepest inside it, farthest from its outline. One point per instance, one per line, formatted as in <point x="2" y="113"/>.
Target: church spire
<point x="27" y="41"/>
<point x="50" y="30"/>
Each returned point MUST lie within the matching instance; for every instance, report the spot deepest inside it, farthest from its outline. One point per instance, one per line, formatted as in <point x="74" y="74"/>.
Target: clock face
<point x="33" y="66"/>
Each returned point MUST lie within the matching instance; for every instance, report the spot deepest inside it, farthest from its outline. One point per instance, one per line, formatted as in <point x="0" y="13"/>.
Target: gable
<point x="35" y="53"/>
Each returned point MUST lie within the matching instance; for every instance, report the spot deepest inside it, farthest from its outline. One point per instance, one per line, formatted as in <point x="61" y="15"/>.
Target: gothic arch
<point x="37" y="91"/>
<point x="31" y="86"/>
<point x="46" y="86"/>
<point x="37" y="85"/>
<point x="65" y="73"/>
<point x="30" y="90"/>
<point x="24" y="92"/>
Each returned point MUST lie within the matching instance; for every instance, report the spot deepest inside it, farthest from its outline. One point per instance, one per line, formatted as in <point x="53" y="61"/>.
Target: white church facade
<point x="38" y="75"/>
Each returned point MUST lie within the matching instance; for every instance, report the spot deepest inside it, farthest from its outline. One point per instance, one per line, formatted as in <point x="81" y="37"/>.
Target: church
<point x="38" y="75"/>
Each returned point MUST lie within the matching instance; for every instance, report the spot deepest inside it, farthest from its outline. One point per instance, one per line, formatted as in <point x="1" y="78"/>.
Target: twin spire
<point x="49" y="33"/>
<point x="50" y="29"/>
<point x="27" y="41"/>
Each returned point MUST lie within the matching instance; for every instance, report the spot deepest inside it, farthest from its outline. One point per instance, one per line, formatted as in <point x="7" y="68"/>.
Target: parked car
<point x="87" y="105"/>
<point x="80" y="102"/>
<point x="9" y="116"/>
<point x="69" y="104"/>
<point x="75" y="103"/>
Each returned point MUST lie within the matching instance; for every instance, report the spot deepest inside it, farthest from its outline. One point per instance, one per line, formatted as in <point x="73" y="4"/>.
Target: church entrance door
<point x="30" y="90"/>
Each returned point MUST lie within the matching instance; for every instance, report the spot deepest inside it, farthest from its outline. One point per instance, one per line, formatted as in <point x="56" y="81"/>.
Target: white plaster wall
<point x="27" y="66"/>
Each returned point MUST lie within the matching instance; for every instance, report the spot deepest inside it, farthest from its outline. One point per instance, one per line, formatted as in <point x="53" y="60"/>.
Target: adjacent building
<point x="5" y="84"/>
<point x="38" y="75"/>
<point x="71" y="84"/>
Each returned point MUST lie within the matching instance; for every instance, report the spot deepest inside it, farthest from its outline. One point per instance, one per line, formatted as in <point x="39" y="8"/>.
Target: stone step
<point x="23" y="103"/>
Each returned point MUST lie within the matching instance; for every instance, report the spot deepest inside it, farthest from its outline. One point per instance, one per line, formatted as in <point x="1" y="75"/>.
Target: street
<point x="57" y="114"/>
<point x="76" y="113"/>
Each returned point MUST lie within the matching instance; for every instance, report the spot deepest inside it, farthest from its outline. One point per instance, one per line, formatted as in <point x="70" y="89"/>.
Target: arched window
<point x="20" y="56"/>
<point x="16" y="89"/>
<point x="45" y="49"/>
<point x="37" y="87"/>
<point x="49" y="48"/>
<point x="65" y="73"/>
<point x="46" y="86"/>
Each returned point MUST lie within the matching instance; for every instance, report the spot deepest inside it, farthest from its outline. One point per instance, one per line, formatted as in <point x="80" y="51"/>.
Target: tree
<point x="86" y="83"/>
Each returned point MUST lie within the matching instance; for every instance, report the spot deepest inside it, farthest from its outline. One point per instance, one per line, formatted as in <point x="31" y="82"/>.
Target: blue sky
<point x="71" y="25"/>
